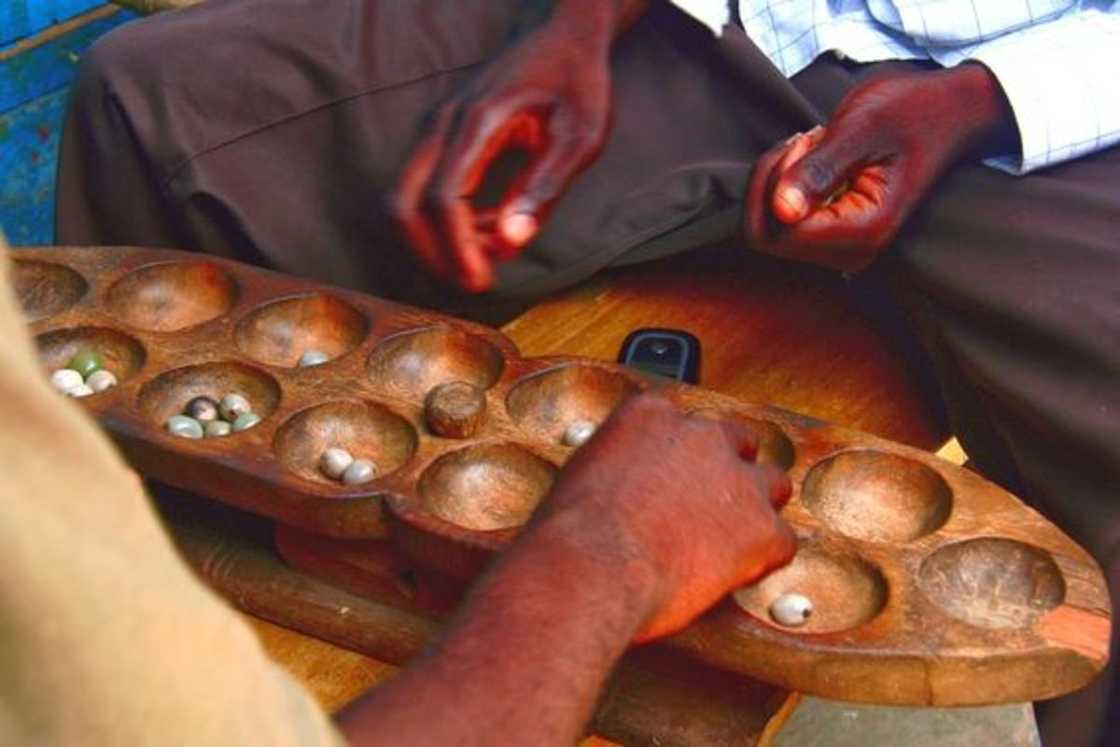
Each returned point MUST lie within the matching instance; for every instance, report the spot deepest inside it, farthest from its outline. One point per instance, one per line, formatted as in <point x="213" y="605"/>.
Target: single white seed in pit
<point x="65" y="379"/>
<point x="313" y="358"/>
<point x="184" y="426"/>
<point x="234" y="406"/>
<point x="79" y="391"/>
<point x="218" y="428"/>
<point x="791" y="610"/>
<point x="360" y="471"/>
<point x="101" y="380"/>
<point x="334" y="462"/>
<point x="578" y="433"/>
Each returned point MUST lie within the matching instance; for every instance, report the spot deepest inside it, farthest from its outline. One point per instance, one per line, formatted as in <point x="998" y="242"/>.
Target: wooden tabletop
<point x="791" y="337"/>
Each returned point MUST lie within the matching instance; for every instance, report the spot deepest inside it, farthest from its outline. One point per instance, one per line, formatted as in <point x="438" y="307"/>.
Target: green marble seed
<point x="245" y="421"/>
<point x="86" y="362"/>
<point x="184" y="427"/>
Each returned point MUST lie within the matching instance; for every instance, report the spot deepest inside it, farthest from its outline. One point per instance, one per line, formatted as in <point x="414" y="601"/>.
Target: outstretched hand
<point x="547" y="96"/>
<point x="680" y="499"/>
<point x="839" y="195"/>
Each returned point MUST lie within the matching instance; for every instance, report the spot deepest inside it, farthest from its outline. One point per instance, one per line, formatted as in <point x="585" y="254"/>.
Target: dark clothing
<point x="271" y="131"/>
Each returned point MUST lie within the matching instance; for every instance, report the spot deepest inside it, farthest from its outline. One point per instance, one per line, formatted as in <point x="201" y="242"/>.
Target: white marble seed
<point x="65" y="379"/>
<point x="791" y="610"/>
<point x="313" y="358"/>
<point x="360" y="471"/>
<point x="79" y="391"/>
<point x="101" y="380"/>
<point x="578" y="433"/>
<point x="334" y="462"/>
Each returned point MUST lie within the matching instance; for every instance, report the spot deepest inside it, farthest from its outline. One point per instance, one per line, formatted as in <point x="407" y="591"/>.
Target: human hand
<point x="838" y="196"/>
<point x="548" y="96"/>
<point x="673" y="505"/>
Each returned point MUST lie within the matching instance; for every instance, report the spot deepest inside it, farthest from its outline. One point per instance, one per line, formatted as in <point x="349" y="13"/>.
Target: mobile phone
<point x="668" y="353"/>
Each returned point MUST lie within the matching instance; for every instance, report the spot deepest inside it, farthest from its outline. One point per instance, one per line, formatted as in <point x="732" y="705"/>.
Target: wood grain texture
<point x="789" y="337"/>
<point x="932" y="585"/>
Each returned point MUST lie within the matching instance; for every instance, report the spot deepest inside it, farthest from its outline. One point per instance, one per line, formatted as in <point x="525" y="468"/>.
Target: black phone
<point x="669" y="353"/>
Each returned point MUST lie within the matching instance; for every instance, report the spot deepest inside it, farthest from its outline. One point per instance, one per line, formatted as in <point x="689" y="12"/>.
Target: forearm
<point x="524" y="661"/>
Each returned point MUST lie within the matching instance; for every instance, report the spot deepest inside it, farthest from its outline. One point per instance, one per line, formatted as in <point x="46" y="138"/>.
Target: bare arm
<point x="622" y="550"/>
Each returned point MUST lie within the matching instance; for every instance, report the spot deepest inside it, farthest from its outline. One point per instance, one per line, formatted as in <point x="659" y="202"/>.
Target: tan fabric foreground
<point x="105" y="636"/>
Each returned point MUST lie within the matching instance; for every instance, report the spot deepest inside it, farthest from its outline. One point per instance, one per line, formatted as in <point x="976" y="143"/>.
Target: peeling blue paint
<point x="33" y="93"/>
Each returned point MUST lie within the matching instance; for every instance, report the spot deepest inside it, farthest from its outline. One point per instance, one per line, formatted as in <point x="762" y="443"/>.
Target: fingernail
<point x="519" y="228"/>
<point x="795" y="200"/>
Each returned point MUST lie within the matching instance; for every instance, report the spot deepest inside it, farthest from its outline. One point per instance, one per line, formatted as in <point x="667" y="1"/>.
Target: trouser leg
<point x="274" y="131"/>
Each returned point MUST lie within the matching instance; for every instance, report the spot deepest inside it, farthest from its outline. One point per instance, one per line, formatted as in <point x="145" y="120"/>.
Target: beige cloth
<point x="106" y="637"/>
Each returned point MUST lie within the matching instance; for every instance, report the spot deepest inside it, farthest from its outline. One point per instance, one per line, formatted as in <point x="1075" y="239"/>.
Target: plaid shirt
<point x="1056" y="59"/>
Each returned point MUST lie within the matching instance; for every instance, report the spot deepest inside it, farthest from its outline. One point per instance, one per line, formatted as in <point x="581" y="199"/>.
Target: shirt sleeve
<point x="1060" y="79"/>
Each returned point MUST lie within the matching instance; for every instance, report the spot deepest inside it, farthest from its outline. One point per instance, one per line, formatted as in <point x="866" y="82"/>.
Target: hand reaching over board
<point x="653" y="520"/>
<point x="677" y="499"/>
<point x="839" y="195"/>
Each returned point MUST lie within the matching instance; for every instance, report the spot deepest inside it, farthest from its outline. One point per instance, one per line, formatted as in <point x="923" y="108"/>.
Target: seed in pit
<point x="65" y="379"/>
<point x="579" y="433"/>
<point x="791" y="610"/>
<point x="86" y="362"/>
<point x="334" y="462"/>
<point x="218" y="428"/>
<point x="202" y="409"/>
<point x="313" y="358"/>
<point x="101" y="380"/>
<point x="245" y="421"/>
<point x="184" y="426"/>
<point x="233" y="406"/>
<point x="360" y="471"/>
<point x="80" y="391"/>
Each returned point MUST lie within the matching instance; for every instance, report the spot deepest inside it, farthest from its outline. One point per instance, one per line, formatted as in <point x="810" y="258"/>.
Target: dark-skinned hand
<point x="674" y="501"/>
<point x="839" y="195"/>
<point x="548" y="95"/>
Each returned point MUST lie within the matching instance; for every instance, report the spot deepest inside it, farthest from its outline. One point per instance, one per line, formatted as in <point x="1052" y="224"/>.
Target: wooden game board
<point x="931" y="585"/>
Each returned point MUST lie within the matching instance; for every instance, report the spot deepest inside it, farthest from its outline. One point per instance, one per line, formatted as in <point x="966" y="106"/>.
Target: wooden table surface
<point x="769" y="333"/>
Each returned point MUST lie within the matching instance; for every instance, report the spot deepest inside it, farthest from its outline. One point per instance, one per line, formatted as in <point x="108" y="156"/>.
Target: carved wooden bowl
<point x="930" y="585"/>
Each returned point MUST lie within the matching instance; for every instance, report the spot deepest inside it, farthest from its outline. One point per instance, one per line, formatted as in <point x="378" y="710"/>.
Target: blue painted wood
<point x="21" y="18"/>
<point x="38" y="71"/>
<point x="33" y="91"/>
<point x="28" y="159"/>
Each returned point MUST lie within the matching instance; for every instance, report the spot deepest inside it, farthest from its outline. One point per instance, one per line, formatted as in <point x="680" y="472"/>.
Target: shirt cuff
<point x="1056" y="77"/>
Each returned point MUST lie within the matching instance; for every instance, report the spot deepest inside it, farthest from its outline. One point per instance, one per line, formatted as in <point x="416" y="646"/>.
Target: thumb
<point x="813" y="180"/>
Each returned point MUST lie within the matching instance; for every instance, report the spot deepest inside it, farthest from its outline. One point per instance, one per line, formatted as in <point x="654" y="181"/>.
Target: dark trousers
<point x="272" y="130"/>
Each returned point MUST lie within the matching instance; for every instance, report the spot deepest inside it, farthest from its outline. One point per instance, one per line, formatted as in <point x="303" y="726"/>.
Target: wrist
<point x="984" y="114"/>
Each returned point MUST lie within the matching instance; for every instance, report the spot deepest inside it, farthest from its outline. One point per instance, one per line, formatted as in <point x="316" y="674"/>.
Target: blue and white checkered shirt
<point x="1056" y="59"/>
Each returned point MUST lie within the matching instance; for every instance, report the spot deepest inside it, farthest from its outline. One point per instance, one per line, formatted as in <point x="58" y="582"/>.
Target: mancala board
<point x="930" y="585"/>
